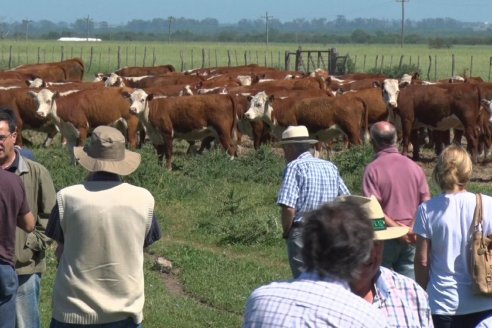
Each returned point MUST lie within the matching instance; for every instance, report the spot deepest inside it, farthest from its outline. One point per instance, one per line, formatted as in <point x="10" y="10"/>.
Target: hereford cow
<point x="24" y="108"/>
<point x="79" y="113"/>
<point x="325" y="117"/>
<point x="435" y="108"/>
<point x="67" y="70"/>
<point x="139" y="71"/>
<point x="189" y="118"/>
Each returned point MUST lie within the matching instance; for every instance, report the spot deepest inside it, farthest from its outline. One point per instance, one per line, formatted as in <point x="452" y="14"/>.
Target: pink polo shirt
<point x="397" y="182"/>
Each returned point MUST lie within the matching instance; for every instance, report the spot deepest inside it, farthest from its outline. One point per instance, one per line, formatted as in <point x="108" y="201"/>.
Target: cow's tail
<point x="234" y="132"/>
<point x="365" y="123"/>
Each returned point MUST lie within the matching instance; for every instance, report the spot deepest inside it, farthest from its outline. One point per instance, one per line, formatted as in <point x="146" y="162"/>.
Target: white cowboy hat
<point x="296" y="134"/>
<point x="106" y="152"/>
<point x="376" y="214"/>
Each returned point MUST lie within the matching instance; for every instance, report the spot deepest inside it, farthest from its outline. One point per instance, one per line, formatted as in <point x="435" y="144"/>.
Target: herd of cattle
<point x="223" y="103"/>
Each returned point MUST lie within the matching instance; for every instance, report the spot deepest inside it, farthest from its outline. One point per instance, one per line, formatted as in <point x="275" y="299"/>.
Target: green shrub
<point x="351" y="164"/>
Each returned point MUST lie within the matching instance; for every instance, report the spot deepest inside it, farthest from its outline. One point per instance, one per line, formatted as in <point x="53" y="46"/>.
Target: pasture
<point x="435" y="64"/>
<point x="219" y="217"/>
<point x="220" y="226"/>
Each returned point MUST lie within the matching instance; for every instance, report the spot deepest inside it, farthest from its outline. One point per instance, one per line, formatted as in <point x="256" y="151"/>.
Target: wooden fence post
<point x="203" y="57"/>
<point x="401" y="62"/>
<point x="90" y="60"/>
<point x="216" y="63"/>
<point x="332" y="62"/>
<point x="118" y="66"/>
<point x="145" y="56"/>
<point x="208" y="57"/>
<point x="126" y="61"/>
<point x="135" y="57"/>
<point x="452" y="65"/>
<point x="228" y="58"/>
<point x="490" y="66"/>
<point x="108" y="68"/>
<point x="364" y="65"/>
<point x="245" y="57"/>
<point x="62" y="53"/>
<point x="10" y="57"/>
<point x="100" y="60"/>
<point x="192" y="62"/>
<point x="429" y="69"/>
<point x="182" y="60"/>
<point x="297" y="64"/>
<point x="235" y="55"/>
<point x="153" y="57"/>
<point x="382" y="64"/>
<point x="376" y="62"/>
<point x="435" y="67"/>
<point x="39" y="55"/>
<point x="287" y="60"/>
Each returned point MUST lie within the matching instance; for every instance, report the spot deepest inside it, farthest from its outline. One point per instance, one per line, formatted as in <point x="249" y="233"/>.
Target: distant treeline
<point x="439" y="32"/>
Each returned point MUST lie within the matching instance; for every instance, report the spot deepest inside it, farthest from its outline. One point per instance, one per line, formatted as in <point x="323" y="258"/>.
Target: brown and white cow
<point x="79" y="113"/>
<point x="146" y="70"/>
<point x="436" y="108"/>
<point x="325" y="117"/>
<point x="189" y="118"/>
<point x="24" y="109"/>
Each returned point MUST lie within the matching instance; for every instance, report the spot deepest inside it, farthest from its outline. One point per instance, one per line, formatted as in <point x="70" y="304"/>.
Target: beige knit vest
<point x="100" y="276"/>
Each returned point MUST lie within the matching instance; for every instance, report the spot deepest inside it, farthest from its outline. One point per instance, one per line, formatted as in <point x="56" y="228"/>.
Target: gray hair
<point x="337" y="238"/>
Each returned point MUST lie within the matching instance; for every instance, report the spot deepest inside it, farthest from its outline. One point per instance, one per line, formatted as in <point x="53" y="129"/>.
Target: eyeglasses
<point x="3" y="138"/>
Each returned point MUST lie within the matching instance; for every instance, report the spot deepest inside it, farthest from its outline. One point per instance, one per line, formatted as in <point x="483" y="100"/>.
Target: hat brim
<point x="305" y="141"/>
<point x="390" y="233"/>
<point x="126" y="166"/>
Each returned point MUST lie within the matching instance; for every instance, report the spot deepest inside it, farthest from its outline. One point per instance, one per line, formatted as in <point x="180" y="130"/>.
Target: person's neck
<point x="8" y="162"/>
<point x="456" y="189"/>
<point x="364" y="290"/>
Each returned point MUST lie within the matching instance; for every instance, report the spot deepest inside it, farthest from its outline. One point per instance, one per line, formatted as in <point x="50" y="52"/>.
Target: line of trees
<point x="447" y="31"/>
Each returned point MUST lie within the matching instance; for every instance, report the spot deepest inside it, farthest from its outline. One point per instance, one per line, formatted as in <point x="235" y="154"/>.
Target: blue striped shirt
<point x="308" y="183"/>
<point x="309" y="301"/>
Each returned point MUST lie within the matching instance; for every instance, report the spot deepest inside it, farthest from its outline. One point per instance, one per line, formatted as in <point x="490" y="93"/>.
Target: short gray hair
<point x="383" y="135"/>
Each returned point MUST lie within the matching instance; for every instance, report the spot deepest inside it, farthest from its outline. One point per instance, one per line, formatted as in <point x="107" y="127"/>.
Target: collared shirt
<point x="309" y="301"/>
<point x="402" y="301"/>
<point x="55" y="232"/>
<point x="398" y="183"/>
<point x="308" y="183"/>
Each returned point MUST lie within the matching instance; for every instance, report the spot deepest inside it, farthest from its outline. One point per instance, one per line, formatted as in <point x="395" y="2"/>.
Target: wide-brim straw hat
<point x="296" y="134"/>
<point x="106" y="152"/>
<point x="376" y="214"/>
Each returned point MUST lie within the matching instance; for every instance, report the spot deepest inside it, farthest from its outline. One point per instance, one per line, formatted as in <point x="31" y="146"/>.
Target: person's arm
<point x="287" y="216"/>
<point x="422" y="261"/>
<point x="26" y="222"/>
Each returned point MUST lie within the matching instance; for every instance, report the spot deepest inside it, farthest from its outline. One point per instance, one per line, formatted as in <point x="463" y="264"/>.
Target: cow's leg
<point x="132" y="131"/>
<point x="414" y="139"/>
<point x="472" y="142"/>
<point x="168" y="152"/>
<point x="160" y="153"/>
<point x="227" y="144"/>
<point x="52" y="130"/>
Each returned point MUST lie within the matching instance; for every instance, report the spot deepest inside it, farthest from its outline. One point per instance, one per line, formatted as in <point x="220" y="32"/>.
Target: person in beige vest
<point x="102" y="227"/>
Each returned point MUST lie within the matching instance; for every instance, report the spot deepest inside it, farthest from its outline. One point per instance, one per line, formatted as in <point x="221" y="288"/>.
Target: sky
<point x="117" y="12"/>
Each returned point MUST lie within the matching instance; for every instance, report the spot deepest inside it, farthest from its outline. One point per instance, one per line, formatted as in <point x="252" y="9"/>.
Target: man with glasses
<point x="29" y="247"/>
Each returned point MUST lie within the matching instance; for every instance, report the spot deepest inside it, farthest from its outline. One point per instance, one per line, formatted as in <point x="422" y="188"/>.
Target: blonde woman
<point x="443" y="238"/>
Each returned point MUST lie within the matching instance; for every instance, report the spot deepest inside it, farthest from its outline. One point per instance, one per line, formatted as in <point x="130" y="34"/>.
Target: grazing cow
<point x="436" y="108"/>
<point x="190" y="118"/>
<point x="325" y="117"/>
<point x="79" y="113"/>
<point x="152" y="81"/>
<point x="139" y="71"/>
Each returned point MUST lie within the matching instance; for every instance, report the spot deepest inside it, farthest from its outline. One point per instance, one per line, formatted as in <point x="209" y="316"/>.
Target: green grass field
<point x="219" y="218"/>
<point x="104" y="56"/>
<point x="220" y="225"/>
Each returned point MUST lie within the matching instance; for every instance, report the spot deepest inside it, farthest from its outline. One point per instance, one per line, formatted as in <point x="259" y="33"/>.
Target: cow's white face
<point x="259" y="107"/>
<point x="113" y="80"/>
<point x="45" y="100"/>
<point x="138" y="99"/>
<point x="391" y="90"/>
<point x="245" y="79"/>
<point x="36" y="83"/>
<point x="487" y="104"/>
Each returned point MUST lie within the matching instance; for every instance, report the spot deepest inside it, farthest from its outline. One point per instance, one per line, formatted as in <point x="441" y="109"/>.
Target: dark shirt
<point x="13" y="203"/>
<point x="54" y="230"/>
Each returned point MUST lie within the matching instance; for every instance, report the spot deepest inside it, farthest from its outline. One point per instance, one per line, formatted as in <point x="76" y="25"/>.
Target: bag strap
<point x="477" y="215"/>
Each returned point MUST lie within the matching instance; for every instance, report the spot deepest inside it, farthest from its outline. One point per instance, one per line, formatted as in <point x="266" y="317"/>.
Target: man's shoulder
<point x="394" y="279"/>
